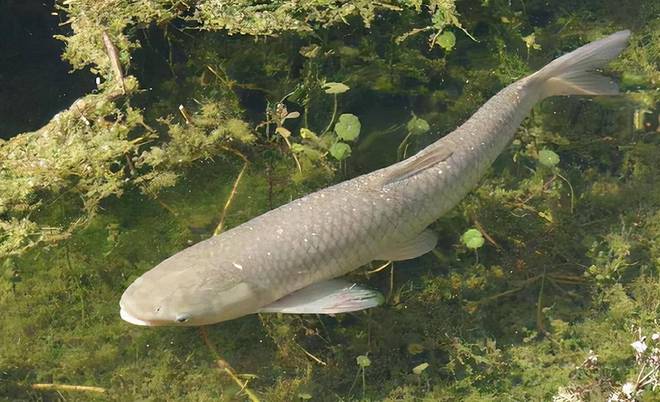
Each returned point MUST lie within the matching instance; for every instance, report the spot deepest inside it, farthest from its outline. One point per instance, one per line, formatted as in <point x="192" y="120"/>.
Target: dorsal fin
<point x="417" y="164"/>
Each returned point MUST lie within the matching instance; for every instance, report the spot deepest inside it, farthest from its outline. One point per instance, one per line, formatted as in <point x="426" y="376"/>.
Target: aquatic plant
<point x="146" y="165"/>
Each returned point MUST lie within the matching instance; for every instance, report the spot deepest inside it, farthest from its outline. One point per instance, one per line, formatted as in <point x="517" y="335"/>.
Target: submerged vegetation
<point x="545" y="284"/>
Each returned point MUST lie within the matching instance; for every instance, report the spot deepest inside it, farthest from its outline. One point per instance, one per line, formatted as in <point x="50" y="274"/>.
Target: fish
<point x="291" y="259"/>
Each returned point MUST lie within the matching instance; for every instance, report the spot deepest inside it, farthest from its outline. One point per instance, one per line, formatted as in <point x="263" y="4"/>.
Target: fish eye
<point x="182" y="318"/>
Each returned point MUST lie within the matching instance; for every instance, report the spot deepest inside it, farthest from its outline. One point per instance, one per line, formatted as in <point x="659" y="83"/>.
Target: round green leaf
<point x="335" y="88"/>
<point x="417" y="126"/>
<point x="308" y="151"/>
<point x="363" y="361"/>
<point x="340" y="151"/>
<point x="417" y="370"/>
<point x="284" y="132"/>
<point x="415" y="348"/>
<point x="472" y="239"/>
<point x="548" y="158"/>
<point x="348" y="127"/>
<point x="308" y="134"/>
<point x="447" y="40"/>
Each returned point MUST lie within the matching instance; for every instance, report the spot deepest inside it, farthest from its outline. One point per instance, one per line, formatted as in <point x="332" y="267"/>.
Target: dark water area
<point x="35" y="83"/>
<point x="543" y="284"/>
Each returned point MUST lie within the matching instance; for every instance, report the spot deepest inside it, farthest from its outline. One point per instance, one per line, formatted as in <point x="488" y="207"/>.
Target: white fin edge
<point x="328" y="297"/>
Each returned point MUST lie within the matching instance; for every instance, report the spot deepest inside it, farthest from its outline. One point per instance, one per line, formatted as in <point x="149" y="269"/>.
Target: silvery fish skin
<point x="376" y="216"/>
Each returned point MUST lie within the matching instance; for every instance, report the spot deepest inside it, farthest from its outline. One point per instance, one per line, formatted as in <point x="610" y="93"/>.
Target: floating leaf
<point x="340" y="151"/>
<point x="548" y="158"/>
<point x="292" y="115"/>
<point x="417" y="370"/>
<point x="308" y="134"/>
<point x="472" y="239"/>
<point x="283" y="132"/>
<point x="335" y="88"/>
<point x="546" y="215"/>
<point x="311" y="153"/>
<point x="530" y="42"/>
<point x="310" y="51"/>
<point x="348" y="127"/>
<point x="446" y="40"/>
<point x="415" y="348"/>
<point x="418" y="126"/>
<point x="363" y="361"/>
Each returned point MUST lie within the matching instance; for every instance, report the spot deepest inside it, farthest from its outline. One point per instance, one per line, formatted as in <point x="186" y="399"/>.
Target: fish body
<point x="285" y="260"/>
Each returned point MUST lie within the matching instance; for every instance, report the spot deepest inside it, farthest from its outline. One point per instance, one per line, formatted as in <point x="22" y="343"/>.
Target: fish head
<point x="178" y="294"/>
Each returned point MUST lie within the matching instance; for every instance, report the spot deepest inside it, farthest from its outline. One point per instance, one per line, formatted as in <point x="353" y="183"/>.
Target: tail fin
<point x="572" y="73"/>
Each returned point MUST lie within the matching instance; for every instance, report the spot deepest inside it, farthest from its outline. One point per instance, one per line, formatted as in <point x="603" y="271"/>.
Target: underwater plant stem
<point x="306" y="116"/>
<point x="647" y="379"/>
<point x="232" y="194"/>
<point x="539" y="307"/>
<point x="511" y="291"/>
<point x="66" y="387"/>
<point x="115" y="63"/>
<point x="571" y="188"/>
<point x="224" y="366"/>
<point x="311" y="356"/>
<point x="639" y="375"/>
<point x="357" y="375"/>
<point x="382" y="267"/>
<point x="364" y="385"/>
<point x="334" y="114"/>
<point x="391" y="290"/>
<point x="486" y="235"/>
<point x="293" y="154"/>
<point x="161" y="203"/>
<point x="401" y="150"/>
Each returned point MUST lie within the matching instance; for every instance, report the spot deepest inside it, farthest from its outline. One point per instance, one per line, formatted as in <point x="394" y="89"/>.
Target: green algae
<point x="118" y="182"/>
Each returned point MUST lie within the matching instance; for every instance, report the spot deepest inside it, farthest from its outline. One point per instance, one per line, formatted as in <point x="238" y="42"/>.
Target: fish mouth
<point x="128" y="317"/>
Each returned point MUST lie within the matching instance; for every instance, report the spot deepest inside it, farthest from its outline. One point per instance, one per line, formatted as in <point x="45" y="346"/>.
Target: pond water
<point x="548" y="302"/>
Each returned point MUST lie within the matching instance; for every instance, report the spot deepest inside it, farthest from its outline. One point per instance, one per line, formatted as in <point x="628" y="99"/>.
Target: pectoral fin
<point x="329" y="297"/>
<point x="413" y="248"/>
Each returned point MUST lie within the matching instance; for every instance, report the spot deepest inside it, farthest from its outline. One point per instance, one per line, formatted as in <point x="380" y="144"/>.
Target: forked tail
<point x="573" y="73"/>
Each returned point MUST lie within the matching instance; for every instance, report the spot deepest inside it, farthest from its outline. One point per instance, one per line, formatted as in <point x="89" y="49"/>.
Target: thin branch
<point x="65" y="387"/>
<point x="316" y="359"/>
<point x="232" y="194"/>
<point x="113" y="54"/>
<point x="224" y="366"/>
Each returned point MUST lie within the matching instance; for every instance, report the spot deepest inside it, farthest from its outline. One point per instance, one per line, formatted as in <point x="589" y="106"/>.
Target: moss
<point x="120" y="181"/>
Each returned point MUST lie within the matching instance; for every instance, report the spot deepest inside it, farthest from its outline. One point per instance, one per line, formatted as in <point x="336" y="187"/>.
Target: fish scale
<point x="292" y="251"/>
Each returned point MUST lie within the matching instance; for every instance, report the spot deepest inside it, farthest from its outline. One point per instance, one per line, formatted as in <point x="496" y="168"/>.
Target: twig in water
<point x="382" y="267"/>
<point x="224" y="366"/>
<point x="113" y="54"/>
<point x="185" y="114"/>
<point x="66" y="387"/>
<point x="316" y="359"/>
<point x="486" y="235"/>
<point x="232" y="194"/>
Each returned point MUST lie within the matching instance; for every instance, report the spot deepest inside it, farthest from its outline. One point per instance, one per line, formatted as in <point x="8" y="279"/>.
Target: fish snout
<point x="134" y="310"/>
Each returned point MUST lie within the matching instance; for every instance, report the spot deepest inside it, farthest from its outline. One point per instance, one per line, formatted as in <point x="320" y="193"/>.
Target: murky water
<point x="568" y="268"/>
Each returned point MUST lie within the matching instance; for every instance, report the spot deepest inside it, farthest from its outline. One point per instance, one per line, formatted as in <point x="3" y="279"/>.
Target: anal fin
<point x="413" y="248"/>
<point x="328" y="297"/>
